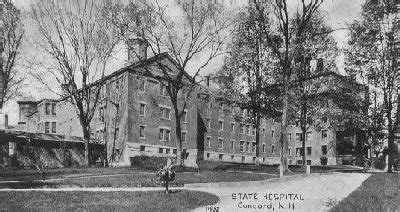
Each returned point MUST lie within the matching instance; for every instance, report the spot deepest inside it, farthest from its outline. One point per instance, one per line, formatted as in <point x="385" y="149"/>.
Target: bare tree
<point x="286" y="48"/>
<point x="199" y="33"/>
<point x="11" y="34"/>
<point x="79" y="46"/>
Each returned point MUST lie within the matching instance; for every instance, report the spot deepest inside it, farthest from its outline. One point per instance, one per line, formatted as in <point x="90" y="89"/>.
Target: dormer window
<point x="47" y="108"/>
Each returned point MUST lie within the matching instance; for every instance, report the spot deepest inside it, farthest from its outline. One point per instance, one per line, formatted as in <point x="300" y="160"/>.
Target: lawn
<point x="141" y="179"/>
<point x="179" y="200"/>
<point x="380" y="192"/>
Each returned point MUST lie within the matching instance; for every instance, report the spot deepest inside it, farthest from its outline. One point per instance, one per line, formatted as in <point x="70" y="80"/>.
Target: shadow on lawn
<point x="30" y="185"/>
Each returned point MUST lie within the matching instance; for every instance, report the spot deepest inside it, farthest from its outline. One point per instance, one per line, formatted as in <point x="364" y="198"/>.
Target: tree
<point x="198" y="33"/>
<point x="11" y="34"/>
<point x="246" y="72"/>
<point x="285" y="49"/>
<point x="372" y="57"/>
<point x="308" y="97"/>
<point x="78" y="45"/>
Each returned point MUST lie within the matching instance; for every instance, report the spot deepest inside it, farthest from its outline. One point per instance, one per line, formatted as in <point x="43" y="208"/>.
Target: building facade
<point x="135" y="118"/>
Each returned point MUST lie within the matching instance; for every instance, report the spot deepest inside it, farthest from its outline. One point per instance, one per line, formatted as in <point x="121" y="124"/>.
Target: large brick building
<point x="135" y="117"/>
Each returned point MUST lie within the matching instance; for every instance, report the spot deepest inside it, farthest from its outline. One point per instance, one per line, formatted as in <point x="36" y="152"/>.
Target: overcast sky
<point x="339" y="13"/>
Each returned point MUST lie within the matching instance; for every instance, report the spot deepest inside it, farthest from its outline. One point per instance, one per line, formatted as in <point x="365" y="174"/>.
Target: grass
<point x="27" y="174"/>
<point x="380" y="192"/>
<point x="179" y="200"/>
<point x="142" y="179"/>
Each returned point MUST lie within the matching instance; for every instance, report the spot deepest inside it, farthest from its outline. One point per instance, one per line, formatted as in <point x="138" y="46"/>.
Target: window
<point x="308" y="151"/>
<point x="208" y="122"/>
<point x="160" y="150"/>
<point x="242" y="129"/>
<point x="11" y="148"/>
<point x="290" y="137"/>
<point x="174" y="151"/>
<point x="273" y="134"/>
<point x="142" y="86"/>
<point x="232" y="157"/>
<point x="142" y="131"/>
<point x="164" y="134"/>
<point x="253" y="147"/>
<point x="117" y="85"/>
<point x="308" y="136"/>
<point x="165" y="113"/>
<point x="208" y="142"/>
<point x="184" y="137"/>
<point x="298" y="136"/>
<point x="263" y="130"/>
<point x="232" y="127"/>
<point x="208" y="155"/>
<point x="263" y="148"/>
<point x="163" y="90"/>
<point x="243" y="159"/>
<point x="254" y="159"/>
<point x="53" y="127"/>
<point x="241" y="146"/>
<point x="324" y="134"/>
<point x="289" y="152"/>
<point x="248" y="129"/>
<point x="299" y="152"/>
<point x="248" y="148"/>
<point x="220" y="156"/>
<point x="47" y="127"/>
<point x="221" y="125"/>
<point x="308" y="162"/>
<point x="324" y="149"/>
<point x="142" y="109"/>
<point x="273" y="149"/>
<point x="220" y="143"/>
<point x="47" y="108"/>
<point x="253" y="131"/>
<point x="167" y="151"/>
<point x="232" y="145"/>
<point x="184" y="117"/>
<point x="142" y="148"/>
<point x="53" y="109"/>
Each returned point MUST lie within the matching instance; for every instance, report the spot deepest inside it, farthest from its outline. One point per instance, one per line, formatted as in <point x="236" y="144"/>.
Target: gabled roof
<point x="135" y="66"/>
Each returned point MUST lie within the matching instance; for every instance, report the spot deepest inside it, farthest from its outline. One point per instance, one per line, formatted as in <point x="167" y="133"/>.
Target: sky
<point x="339" y="13"/>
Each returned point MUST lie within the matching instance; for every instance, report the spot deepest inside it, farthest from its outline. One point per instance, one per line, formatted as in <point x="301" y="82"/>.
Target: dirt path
<point x="316" y="192"/>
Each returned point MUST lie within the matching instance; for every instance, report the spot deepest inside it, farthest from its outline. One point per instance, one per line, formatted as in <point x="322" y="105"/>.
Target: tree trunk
<point x="304" y="130"/>
<point x="86" y="138"/>
<point x="283" y="139"/>
<point x="166" y="186"/>
<point x="257" y="126"/>
<point x="178" y="132"/>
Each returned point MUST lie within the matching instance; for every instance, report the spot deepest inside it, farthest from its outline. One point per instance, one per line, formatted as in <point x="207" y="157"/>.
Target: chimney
<point x="137" y="49"/>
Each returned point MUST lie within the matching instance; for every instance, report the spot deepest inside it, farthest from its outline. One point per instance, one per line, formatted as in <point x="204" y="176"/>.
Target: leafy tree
<point x="310" y="85"/>
<point x="11" y="34"/>
<point x="372" y="56"/>
<point x="284" y="39"/>
<point x="247" y="71"/>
